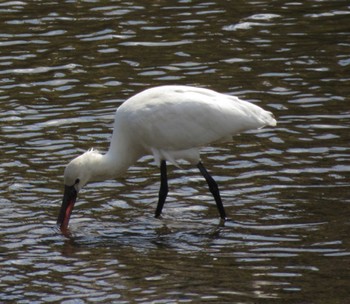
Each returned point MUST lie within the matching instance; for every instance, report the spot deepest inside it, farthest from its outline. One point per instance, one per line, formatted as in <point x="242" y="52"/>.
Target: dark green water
<point x="64" y="68"/>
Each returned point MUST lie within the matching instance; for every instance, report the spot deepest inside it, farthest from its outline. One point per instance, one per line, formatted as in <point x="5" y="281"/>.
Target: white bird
<point x="170" y="123"/>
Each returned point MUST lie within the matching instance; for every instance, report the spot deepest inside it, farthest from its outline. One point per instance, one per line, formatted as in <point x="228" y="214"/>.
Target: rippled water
<point x="66" y="66"/>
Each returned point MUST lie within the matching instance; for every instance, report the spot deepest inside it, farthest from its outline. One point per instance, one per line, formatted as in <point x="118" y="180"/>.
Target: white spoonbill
<point x="169" y="122"/>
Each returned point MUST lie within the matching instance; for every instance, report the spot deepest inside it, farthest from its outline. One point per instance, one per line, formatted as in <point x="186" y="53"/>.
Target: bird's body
<point x="170" y="123"/>
<point x="174" y="122"/>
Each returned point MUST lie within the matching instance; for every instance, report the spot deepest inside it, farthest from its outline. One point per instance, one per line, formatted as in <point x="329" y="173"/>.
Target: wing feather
<point x="181" y="117"/>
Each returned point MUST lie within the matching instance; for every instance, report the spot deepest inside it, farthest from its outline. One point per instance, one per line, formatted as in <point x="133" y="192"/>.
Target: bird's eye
<point x="77" y="181"/>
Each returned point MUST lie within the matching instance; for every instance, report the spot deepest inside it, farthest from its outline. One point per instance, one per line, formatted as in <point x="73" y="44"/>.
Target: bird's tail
<point x="269" y="119"/>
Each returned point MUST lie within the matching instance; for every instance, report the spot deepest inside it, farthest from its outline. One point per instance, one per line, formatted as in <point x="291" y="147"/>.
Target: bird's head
<point x="76" y="175"/>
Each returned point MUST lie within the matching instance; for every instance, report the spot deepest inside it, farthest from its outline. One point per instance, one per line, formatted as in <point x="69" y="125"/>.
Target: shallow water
<point x="65" y="67"/>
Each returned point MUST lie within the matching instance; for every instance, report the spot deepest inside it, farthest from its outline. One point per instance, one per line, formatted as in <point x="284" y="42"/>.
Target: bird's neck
<point x="114" y="163"/>
<point x="108" y="166"/>
<point x="123" y="153"/>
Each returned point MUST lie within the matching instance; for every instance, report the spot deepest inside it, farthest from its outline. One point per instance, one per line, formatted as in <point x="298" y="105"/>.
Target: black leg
<point x="163" y="191"/>
<point x="214" y="189"/>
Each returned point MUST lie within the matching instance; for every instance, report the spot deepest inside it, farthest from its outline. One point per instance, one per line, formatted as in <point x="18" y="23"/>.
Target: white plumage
<point x="174" y="122"/>
<point x="169" y="122"/>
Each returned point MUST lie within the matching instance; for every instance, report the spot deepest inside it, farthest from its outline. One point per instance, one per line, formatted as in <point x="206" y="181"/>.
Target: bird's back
<point x="177" y="118"/>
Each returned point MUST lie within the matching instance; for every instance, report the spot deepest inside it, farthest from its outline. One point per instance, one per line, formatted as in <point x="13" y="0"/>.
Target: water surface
<point x="66" y="66"/>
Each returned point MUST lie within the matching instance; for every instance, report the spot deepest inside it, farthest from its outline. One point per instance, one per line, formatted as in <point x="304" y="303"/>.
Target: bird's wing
<point x="180" y="117"/>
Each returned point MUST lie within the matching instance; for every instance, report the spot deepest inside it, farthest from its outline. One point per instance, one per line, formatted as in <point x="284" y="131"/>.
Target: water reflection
<point x="65" y="67"/>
